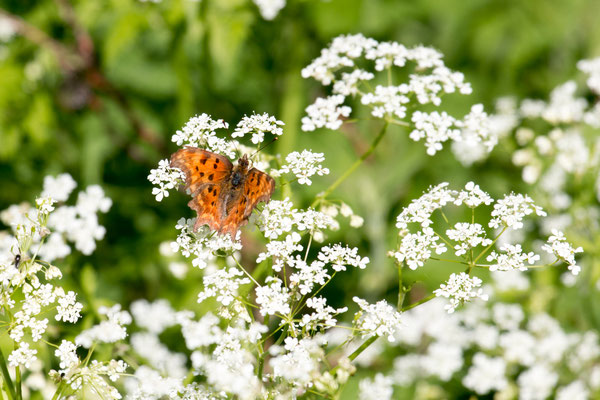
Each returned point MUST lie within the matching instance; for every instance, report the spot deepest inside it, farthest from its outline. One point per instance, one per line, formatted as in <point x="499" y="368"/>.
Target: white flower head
<point x="559" y="247"/>
<point x="258" y="125"/>
<point x="459" y="289"/>
<point x="273" y="297"/>
<point x="436" y="128"/>
<point x="380" y="319"/>
<point x="468" y="236"/>
<point x="303" y="165"/>
<point x="416" y="248"/>
<point x="58" y="188"/>
<point x="22" y="356"/>
<point x="165" y="178"/>
<point x="592" y="68"/>
<point x="325" y="112"/>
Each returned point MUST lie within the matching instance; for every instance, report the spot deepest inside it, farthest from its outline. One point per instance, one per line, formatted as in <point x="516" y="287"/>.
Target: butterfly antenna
<point x="268" y="144"/>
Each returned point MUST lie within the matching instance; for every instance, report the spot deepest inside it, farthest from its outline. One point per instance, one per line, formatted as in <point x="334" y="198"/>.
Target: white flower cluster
<point x="203" y="244"/>
<point x="61" y="222"/>
<point x="379" y="319"/>
<point x="165" y="178"/>
<point x="460" y="288"/>
<point x="480" y="131"/>
<point x="378" y="388"/>
<point x="340" y="256"/>
<point x="223" y="285"/>
<point x="110" y="330"/>
<point x="592" y="68"/>
<point x="416" y="248"/>
<point x="326" y="112"/>
<point x="436" y="128"/>
<point x="303" y="166"/>
<point x="280" y="216"/>
<point x="258" y="125"/>
<point x="25" y="298"/>
<point x="200" y="131"/>
<point x="339" y="64"/>
<point x="332" y="209"/>
<point x="269" y="8"/>
<point x="468" y="237"/>
<point x="559" y="247"/>
<point x="495" y="350"/>
<point x="81" y="375"/>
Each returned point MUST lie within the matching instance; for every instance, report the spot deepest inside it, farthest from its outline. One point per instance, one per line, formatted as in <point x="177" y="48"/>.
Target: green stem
<point x="418" y="303"/>
<point x="354" y="166"/>
<point x="362" y="347"/>
<point x="260" y="366"/>
<point x="18" y="382"/>
<point x="490" y="246"/>
<point x="59" y="390"/>
<point x="401" y="291"/>
<point x="6" y="375"/>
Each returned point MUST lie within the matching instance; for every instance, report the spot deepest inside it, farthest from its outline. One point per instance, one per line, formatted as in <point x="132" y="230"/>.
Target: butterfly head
<point x="244" y="163"/>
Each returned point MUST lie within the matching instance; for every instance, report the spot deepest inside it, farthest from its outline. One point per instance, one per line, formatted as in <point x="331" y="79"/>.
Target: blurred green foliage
<point x="100" y="92"/>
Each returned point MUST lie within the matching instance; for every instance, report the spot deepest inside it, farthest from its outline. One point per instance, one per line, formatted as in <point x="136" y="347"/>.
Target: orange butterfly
<point x="222" y="195"/>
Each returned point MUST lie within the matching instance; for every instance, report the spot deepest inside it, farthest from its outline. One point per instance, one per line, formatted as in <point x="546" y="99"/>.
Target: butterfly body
<point x="223" y="196"/>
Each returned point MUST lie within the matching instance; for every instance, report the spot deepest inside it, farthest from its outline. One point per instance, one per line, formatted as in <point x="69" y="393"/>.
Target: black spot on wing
<point x="210" y="177"/>
<point x="203" y="161"/>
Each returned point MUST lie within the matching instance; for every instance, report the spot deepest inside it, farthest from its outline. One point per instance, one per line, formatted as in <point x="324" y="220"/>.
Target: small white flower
<point x="165" y="178"/>
<point x="436" y="128"/>
<point x="223" y="285"/>
<point x="341" y="256"/>
<point x="564" y="107"/>
<point x="420" y="210"/>
<point x="22" y="356"/>
<point x="323" y="316"/>
<point x="486" y="374"/>
<point x="155" y="316"/>
<point x="325" y="112"/>
<point x="379" y="388"/>
<point x="416" y="248"/>
<point x="67" y="354"/>
<point x="108" y="331"/>
<point x="378" y="319"/>
<point x="387" y="101"/>
<point x="281" y="251"/>
<point x="536" y="383"/>
<point x="303" y="166"/>
<point x="349" y="82"/>
<point x="269" y="8"/>
<point x="510" y="211"/>
<point x="459" y="289"/>
<point x="468" y="236"/>
<point x="472" y="196"/>
<point x="511" y="258"/>
<point x="559" y="247"/>
<point x="58" y="188"/>
<point x="258" y="125"/>
<point x="68" y="309"/>
<point x="339" y="54"/>
<point x="273" y="297"/>
<point x="45" y="204"/>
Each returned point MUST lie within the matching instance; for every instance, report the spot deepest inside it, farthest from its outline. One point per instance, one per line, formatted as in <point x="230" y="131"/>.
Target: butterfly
<point x="223" y="196"/>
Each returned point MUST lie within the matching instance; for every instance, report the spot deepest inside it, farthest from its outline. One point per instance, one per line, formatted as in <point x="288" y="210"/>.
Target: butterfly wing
<point x="201" y="167"/>
<point x="207" y="205"/>
<point x="206" y="174"/>
<point x="258" y="187"/>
